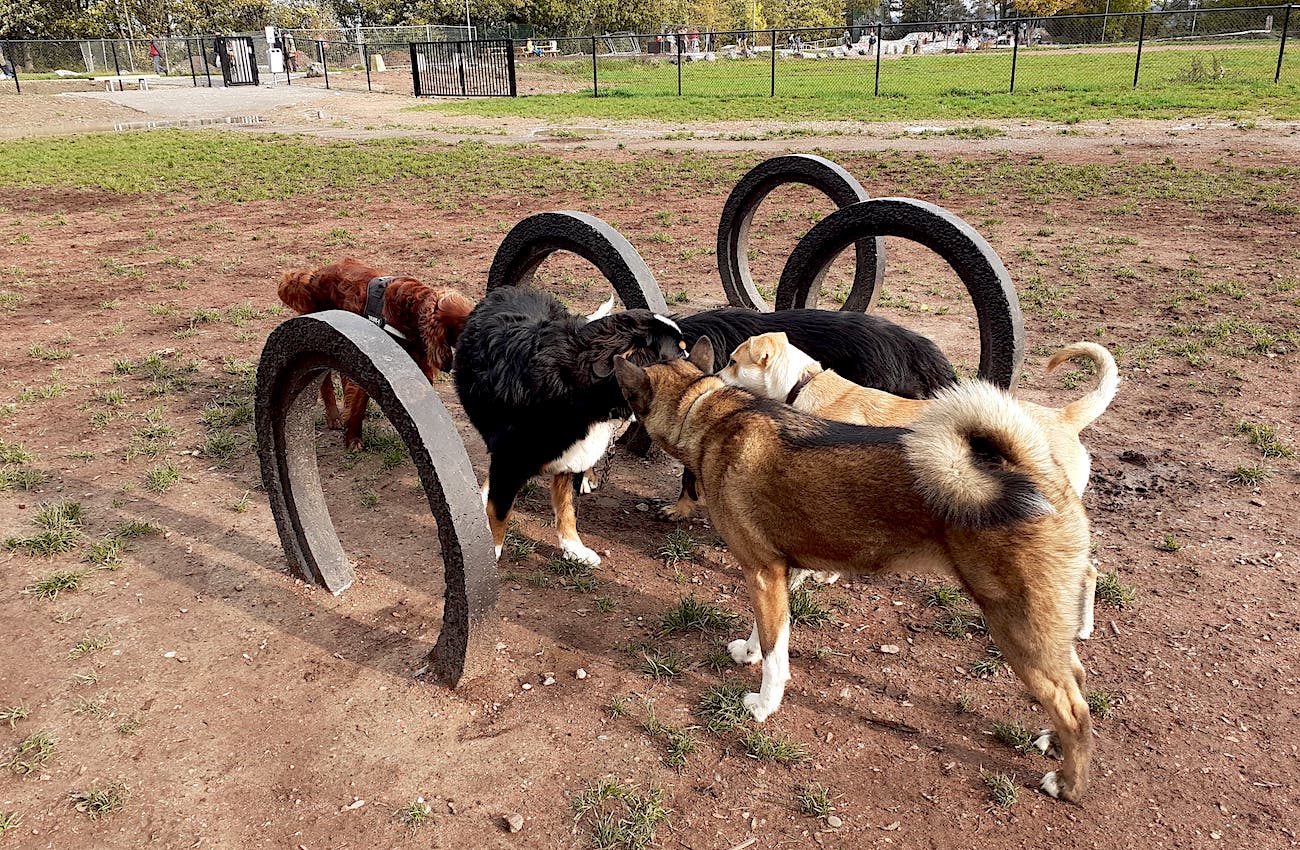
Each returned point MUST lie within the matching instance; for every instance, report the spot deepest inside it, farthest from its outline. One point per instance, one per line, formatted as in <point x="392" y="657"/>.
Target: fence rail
<point x="1102" y="50"/>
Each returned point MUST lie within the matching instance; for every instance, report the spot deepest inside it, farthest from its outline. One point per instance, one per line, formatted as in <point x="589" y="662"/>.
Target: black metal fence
<point x="463" y="68"/>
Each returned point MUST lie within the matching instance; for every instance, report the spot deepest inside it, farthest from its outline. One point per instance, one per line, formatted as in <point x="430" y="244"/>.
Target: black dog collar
<point x="804" y="380"/>
<point x="374" y="311"/>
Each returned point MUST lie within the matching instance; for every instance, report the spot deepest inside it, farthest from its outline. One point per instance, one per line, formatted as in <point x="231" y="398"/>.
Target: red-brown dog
<point x="429" y="321"/>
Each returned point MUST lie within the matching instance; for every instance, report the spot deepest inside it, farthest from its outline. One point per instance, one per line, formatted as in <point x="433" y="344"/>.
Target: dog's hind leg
<point x="1052" y="671"/>
<point x="1088" y="601"/>
<point x="770" y="595"/>
<point x="686" y="499"/>
<point x="333" y="418"/>
<point x="566" y="520"/>
<point x="355" y="402"/>
<point x="504" y="481"/>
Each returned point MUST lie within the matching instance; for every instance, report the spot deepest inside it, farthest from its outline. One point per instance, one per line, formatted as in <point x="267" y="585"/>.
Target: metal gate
<point x="463" y="68"/>
<point x="237" y="58"/>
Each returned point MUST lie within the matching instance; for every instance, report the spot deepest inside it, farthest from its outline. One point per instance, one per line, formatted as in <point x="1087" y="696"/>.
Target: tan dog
<point x="971" y="489"/>
<point x="768" y="365"/>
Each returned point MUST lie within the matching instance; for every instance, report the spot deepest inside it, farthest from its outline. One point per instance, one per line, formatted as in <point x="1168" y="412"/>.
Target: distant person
<point x="156" y="56"/>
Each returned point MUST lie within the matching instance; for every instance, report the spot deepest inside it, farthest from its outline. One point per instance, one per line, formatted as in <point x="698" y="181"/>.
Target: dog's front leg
<point x="686" y="500"/>
<point x="566" y="521"/>
<point x="333" y="418"/>
<point x="746" y="651"/>
<point x="770" y="596"/>
<point x="355" y="402"/>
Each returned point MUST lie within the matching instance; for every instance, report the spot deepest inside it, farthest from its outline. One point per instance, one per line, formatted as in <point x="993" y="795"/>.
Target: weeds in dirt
<point x="130" y="725"/>
<point x="679" y="547"/>
<point x="8" y="821"/>
<point x="133" y="528"/>
<point x="235" y="366"/>
<point x="48" y="353"/>
<point x="1102" y="703"/>
<point x="87" y="645"/>
<point x="663" y="664"/>
<point x="618" y="706"/>
<point x="965" y="703"/>
<point x="718" y="659"/>
<point x="61" y="529"/>
<point x="12" y="453"/>
<point x="1002" y="788"/>
<point x="54" y="389"/>
<point x="227" y="415"/>
<point x="385" y="443"/>
<point x="1249" y="476"/>
<point x="989" y="666"/>
<point x="99" y="800"/>
<point x="1262" y="436"/>
<point x="945" y="596"/>
<point x="415" y="813"/>
<point x="159" y="479"/>
<point x="51" y="586"/>
<point x="241" y="504"/>
<point x="88" y="678"/>
<point x="814" y="800"/>
<point x="14" y="713"/>
<point x="222" y="447"/>
<point x="91" y="707"/>
<point x="153" y="439"/>
<point x="368" y="498"/>
<point x="1168" y="543"/>
<point x="722" y="707"/>
<point x="693" y="614"/>
<point x="960" y="625"/>
<point x="807" y="610"/>
<point x="573" y="574"/>
<point x="605" y="604"/>
<point x="1113" y="592"/>
<point x="518" y="547"/>
<point x="678" y="742"/>
<point x="618" y="816"/>
<point x="1012" y="734"/>
<point x="774" y="748"/>
<point x="106" y="553"/>
<point x="33" y="753"/>
<point x="21" y="478"/>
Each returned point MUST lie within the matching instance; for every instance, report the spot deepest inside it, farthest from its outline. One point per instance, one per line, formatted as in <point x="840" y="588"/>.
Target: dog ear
<point x="702" y="355"/>
<point x="635" y="384"/>
<point x="766" y="346"/>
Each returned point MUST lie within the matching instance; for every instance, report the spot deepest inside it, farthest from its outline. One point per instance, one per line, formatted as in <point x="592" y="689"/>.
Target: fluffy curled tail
<point x="1081" y="413"/>
<point x="298" y="292"/>
<point x="980" y="461"/>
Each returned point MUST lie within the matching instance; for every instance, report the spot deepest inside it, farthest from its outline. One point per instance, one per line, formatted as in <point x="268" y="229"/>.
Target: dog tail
<point x="1081" y="413"/>
<point x="297" y="292"/>
<point x="442" y="318"/>
<point x="980" y="461"/>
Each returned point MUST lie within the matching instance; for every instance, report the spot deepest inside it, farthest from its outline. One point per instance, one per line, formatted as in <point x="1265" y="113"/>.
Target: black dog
<point x="867" y="350"/>
<point x="538" y="384"/>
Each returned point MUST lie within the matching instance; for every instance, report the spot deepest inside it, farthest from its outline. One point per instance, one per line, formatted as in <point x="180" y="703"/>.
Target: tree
<point x="38" y="18"/>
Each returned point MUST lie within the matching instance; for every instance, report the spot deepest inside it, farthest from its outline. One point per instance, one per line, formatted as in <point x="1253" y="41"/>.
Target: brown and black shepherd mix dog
<point x="430" y="320"/>
<point x="970" y="487"/>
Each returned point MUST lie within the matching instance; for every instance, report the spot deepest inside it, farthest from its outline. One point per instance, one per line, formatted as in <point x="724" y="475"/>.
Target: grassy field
<point x="1051" y="85"/>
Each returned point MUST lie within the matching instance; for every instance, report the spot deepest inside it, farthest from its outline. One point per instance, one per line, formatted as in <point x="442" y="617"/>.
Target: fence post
<point x="1142" y="32"/>
<point x="320" y="50"/>
<point x="365" y="60"/>
<point x="680" y="38"/>
<point x="772" y="93"/>
<point x="17" y="86"/>
<point x="510" y="65"/>
<point x="1015" y="51"/>
<point x="415" y="71"/>
<point x="117" y="69"/>
<point x="207" y="69"/>
<point x="595" y="81"/>
<point x="189" y="51"/>
<point x="1281" y="48"/>
<point x="288" y="80"/>
<point x="460" y="66"/>
<point x="880" y="31"/>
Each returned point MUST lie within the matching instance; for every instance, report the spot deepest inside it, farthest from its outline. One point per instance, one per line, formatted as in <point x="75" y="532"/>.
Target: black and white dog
<point x="538" y="383"/>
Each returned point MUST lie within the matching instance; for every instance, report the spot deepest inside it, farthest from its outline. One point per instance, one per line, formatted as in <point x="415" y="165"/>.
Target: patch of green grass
<point x="693" y="614"/>
<point x="33" y="753"/>
<point x="8" y="821"/>
<point x="130" y="725"/>
<point x="965" y="703"/>
<point x="222" y="447"/>
<point x="1102" y="703"/>
<point x="106" y="553"/>
<point x="21" y="478"/>
<point x="678" y="742"/>
<point x="228" y="415"/>
<point x="960" y="625"/>
<point x="1262" y="436"/>
<point x="945" y="596"/>
<point x="814" y="800"/>
<point x="385" y="443"/>
<point x="618" y="706"/>
<point x="99" y="800"/>
<point x="989" y="666"/>
<point x="415" y="813"/>
<point x="133" y="528"/>
<point x="1002" y="788"/>
<point x="91" y="707"/>
<point x="1012" y="734"/>
<point x="152" y="439"/>
<point x="722" y="707"/>
<point x="161" y="478"/>
<point x="241" y="504"/>
<point x="679" y="547"/>
<point x="12" y="453"/>
<point x="235" y="366"/>
<point x="718" y="659"/>
<point x="1251" y="476"/>
<point x="517" y="547"/>
<point x="240" y="315"/>
<point x="51" y="586"/>
<point x="765" y="747"/>
<point x="1168" y="543"/>
<point x="368" y="498"/>
<point x="663" y="664"/>
<point x="48" y="353"/>
<point x="60" y="524"/>
<point x="618" y="816"/>
<point x="87" y="645"/>
<point x="54" y="389"/>
<point x="14" y="713"/>
<point x="807" y="610"/>
<point x="1111" y="591"/>
<point x="605" y="604"/>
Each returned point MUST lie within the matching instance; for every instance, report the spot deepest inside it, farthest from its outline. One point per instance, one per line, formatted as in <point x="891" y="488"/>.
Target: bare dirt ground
<point x="244" y="709"/>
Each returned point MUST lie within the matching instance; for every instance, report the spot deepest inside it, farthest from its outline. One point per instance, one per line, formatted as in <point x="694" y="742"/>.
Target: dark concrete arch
<point x="532" y="240"/>
<point x="295" y="359"/>
<point x="1002" y="330"/>
<point x="738" y="214"/>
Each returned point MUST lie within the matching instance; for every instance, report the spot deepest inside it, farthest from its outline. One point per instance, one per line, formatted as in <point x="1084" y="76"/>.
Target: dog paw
<point x="335" y="423"/>
<point x="756" y="706"/>
<point x="825" y="577"/>
<point x="743" y="653"/>
<point x="498" y="553"/>
<point x="588" y="485"/>
<point x="1046" y="743"/>
<point x="352" y="444"/>
<point x="575" y="551"/>
<point x="1051" y="785"/>
<point x="1085" y="632"/>
<point x="675" y="513"/>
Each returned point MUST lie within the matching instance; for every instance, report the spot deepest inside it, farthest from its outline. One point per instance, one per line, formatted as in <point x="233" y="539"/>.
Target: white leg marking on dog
<point x="498" y="553"/>
<point x="1085" y="629"/>
<point x="776" y="672"/>
<point x="575" y="551"/>
<point x="746" y="651"/>
<point x="587" y="485"/>
<point x="483" y="493"/>
<point x="1050" y="785"/>
<point x="1045" y="741"/>
<point x="797" y="578"/>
